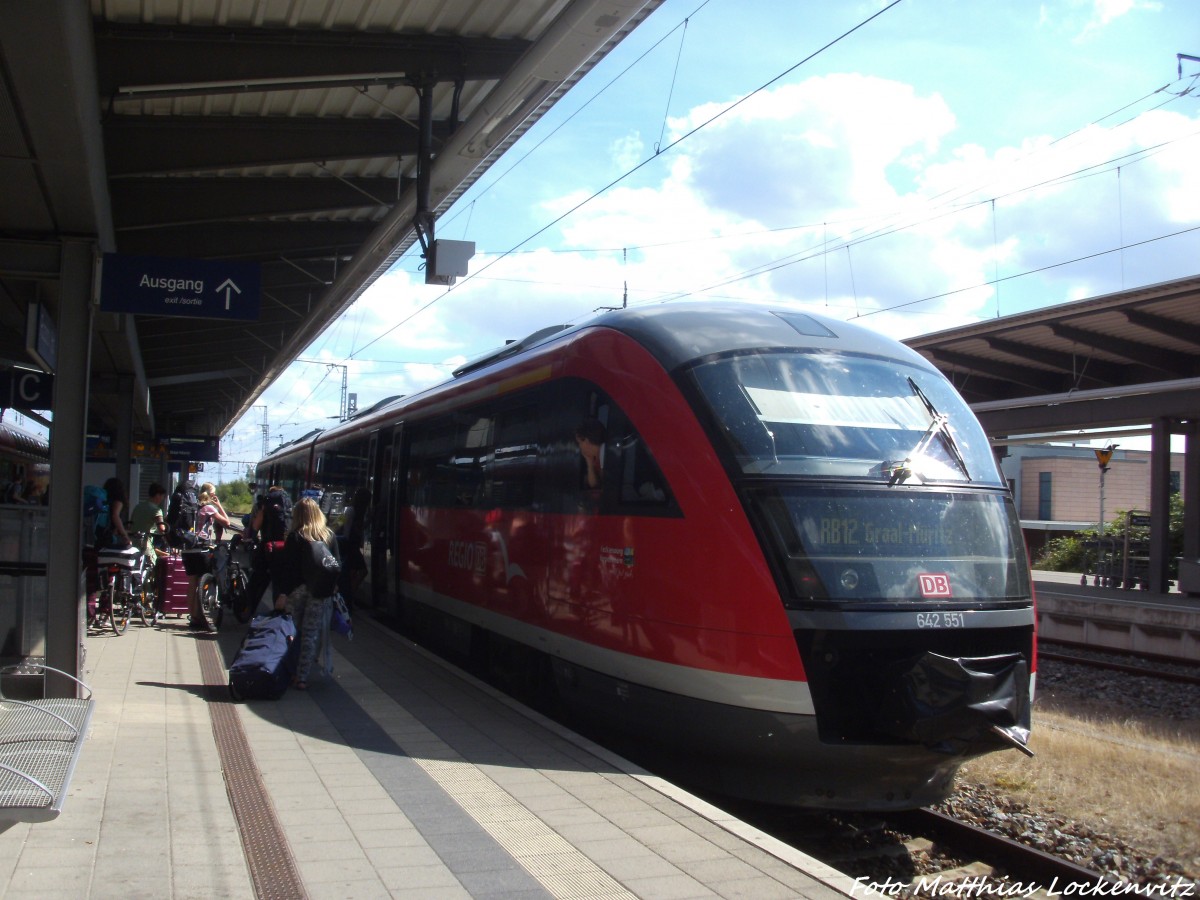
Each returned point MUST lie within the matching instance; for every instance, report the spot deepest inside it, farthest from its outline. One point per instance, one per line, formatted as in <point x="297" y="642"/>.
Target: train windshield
<point x="835" y="415"/>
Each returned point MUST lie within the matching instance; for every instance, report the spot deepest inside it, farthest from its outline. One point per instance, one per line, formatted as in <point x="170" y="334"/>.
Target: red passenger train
<point x="775" y="543"/>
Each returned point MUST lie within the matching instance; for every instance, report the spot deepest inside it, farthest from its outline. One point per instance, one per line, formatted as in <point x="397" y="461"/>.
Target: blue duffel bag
<point x="263" y="667"/>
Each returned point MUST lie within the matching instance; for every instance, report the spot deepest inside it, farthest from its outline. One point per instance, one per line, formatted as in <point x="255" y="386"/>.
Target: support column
<point x="1160" y="503"/>
<point x="123" y="439"/>
<point x="1191" y="490"/>
<point x="66" y="602"/>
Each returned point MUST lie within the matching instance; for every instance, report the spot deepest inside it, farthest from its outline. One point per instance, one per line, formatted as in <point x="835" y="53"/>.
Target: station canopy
<point x="283" y="134"/>
<point x="1122" y="359"/>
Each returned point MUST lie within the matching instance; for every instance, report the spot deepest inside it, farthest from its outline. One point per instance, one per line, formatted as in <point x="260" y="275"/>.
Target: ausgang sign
<point x="162" y="286"/>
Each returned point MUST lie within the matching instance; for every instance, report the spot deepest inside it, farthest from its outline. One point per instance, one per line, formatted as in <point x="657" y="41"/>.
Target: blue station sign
<point x="26" y="391"/>
<point x="175" y="447"/>
<point x="165" y="286"/>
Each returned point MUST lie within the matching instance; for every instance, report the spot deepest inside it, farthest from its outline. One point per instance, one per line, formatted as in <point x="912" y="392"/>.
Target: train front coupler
<point x="962" y="706"/>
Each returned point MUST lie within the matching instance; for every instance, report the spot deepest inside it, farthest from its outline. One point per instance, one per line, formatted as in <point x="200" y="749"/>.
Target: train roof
<point x="676" y="334"/>
<point x="683" y="332"/>
<point x="24" y="444"/>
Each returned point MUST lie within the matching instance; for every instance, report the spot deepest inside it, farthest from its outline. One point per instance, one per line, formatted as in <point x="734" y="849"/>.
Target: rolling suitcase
<point x="172" y="586"/>
<point x="262" y="669"/>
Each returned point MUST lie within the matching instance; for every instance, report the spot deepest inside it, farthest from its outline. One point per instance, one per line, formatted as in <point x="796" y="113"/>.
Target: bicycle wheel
<point x="143" y="599"/>
<point x="239" y="598"/>
<point x="210" y="597"/>
<point x="95" y="614"/>
<point x="121" y="600"/>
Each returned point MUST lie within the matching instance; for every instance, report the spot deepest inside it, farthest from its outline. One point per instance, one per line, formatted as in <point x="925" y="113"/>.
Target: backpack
<point x="321" y="570"/>
<point x="95" y="510"/>
<point x="277" y="515"/>
<point x="181" y="517"/>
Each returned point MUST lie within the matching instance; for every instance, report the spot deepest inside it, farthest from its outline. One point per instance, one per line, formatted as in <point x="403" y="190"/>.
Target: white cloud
<point x="838" y="161"/>
<point x="1105" y="12"/>
<point x="814" y="149"/>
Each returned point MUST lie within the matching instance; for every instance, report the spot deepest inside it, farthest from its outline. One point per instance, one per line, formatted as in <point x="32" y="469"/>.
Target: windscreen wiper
<point x="938" y="427"/>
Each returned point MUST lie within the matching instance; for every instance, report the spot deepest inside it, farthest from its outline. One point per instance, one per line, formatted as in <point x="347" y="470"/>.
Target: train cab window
<point x="597" y="462"/>
<point x="844" y="416"/>
<point x="524" y="453"/>
<point x="634" y="481"/>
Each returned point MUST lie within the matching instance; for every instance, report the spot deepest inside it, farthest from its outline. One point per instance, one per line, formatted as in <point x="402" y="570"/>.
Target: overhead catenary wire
<point x="884" y="231"/>
<point x="830" y="247"/>
<point x="636" y="168"/>
<point x="860" y="235"/>
<point x="671" y="91"/>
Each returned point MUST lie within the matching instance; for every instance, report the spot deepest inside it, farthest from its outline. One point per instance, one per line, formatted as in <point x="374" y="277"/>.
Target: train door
<point x="379" y="457"/>
<point x="395" y="507"/>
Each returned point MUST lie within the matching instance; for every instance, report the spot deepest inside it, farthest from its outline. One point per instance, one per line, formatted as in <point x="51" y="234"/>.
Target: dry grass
<point x="1133" y="779"/>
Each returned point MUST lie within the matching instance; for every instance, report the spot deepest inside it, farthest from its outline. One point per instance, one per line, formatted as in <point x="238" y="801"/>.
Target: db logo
<point x="935" y="585"/>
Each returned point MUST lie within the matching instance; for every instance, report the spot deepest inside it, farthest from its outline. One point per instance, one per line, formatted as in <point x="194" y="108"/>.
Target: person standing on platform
<point x="350" y="544"/>
<point x="269" y="527"/>
<point x="148" y="518"/>
<point x="310" y="612"/>
<point x="221" y="518"/>
<point x="211" y="520"/>
<point x="118" y="506"/>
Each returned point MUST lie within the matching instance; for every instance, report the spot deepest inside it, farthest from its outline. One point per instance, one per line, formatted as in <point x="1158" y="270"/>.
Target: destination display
<point x="174" y="447"/>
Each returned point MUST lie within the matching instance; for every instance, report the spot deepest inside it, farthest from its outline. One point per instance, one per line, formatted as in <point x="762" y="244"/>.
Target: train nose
<point x="960" y="705"/>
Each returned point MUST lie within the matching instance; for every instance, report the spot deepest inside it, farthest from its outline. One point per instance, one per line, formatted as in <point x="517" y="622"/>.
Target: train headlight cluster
<point x="849" y="579"/>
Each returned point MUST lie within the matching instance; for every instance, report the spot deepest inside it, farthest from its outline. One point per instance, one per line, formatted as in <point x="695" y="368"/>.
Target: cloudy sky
<point x="914" y="165"/>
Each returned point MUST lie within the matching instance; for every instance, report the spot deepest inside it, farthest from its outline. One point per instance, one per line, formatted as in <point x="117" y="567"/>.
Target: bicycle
<point x="144" y="585"/>
<point x="115" y="601"/>
<point x="237" y="579"/>
<point x="225" y="584"/>
<point x="209" y="585"/>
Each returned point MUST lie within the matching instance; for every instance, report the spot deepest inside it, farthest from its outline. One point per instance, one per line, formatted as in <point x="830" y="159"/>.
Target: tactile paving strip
<point x="272" y="868"/>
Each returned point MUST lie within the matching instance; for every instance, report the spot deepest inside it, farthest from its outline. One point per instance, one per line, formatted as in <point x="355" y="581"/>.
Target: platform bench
<point x="40" y="742"/>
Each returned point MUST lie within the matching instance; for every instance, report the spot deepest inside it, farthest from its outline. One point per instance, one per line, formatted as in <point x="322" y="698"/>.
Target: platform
<point x="1108" y="618"/>
<point x="400" y="777"/>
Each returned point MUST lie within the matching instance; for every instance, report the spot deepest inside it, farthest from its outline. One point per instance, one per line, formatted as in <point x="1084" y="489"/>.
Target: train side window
<point x="293" y="477"/>
<point x="472" y="452"/>
<point x="338" y="470"/>
<point x="431" y="473"/>
<point x="514" y="458"/>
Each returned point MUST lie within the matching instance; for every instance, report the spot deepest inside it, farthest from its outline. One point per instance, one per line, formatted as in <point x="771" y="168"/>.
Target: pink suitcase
<point x="172" y="586"/>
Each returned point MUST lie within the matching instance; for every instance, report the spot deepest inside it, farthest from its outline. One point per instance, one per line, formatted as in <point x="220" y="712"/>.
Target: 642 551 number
<point x="940" y="620"/>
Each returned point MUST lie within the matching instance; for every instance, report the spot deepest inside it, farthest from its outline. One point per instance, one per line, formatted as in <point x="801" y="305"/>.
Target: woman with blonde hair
<point x="211" y="518"/>
<point x="212" y="513"/>
<point x="310" y="612"/>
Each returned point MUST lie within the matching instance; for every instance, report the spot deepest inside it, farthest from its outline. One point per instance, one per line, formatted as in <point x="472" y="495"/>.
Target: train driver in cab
<point x="589" y="437"/>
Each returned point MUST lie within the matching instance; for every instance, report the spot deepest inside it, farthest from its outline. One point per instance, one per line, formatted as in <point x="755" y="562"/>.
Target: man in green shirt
<point x="147" y="517"/>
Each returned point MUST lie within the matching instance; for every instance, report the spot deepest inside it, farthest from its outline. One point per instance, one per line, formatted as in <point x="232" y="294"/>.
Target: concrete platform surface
<point x="397" y="777"/>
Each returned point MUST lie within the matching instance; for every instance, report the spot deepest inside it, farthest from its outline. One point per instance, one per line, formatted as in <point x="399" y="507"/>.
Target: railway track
<point x="1129" y="664"/>
<point x="928" y="853"/>
<point x="995" y="859"/>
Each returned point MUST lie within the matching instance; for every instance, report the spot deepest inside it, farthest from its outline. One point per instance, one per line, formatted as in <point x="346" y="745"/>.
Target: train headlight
<point x="848" y="580"/>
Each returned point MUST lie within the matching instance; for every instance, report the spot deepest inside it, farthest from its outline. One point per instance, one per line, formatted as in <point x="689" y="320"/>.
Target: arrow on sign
<point x="226" y="286"/>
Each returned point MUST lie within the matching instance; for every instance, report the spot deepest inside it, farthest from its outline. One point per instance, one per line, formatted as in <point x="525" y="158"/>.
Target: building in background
<point x="1057" y="487"/>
